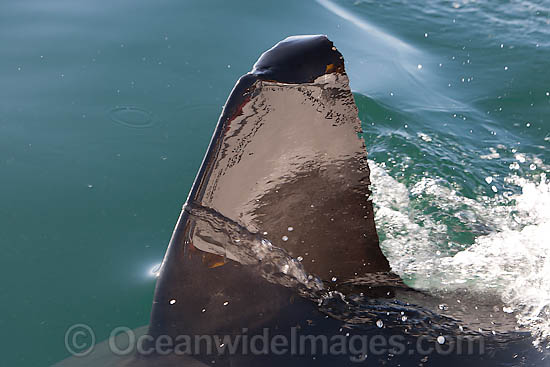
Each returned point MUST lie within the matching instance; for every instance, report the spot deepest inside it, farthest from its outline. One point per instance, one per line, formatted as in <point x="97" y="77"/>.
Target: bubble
<point x="403" y="318"/>
<point x="226" y="303"/>
<point x="285" y="238"/>
<point x="172" y="301"/>
<point x="380" y="323"/>
<point x="299" y="258"/>
<point x="419" y="66"/>
<point x="334" y="279"/>
<point x="520" y="158"/>
<point x="290" y="229"/>
<point x="494" y="188"/>
<point x="441" y="339"/>
<point x="532" y="166"/>
<point x="488" y="179"/>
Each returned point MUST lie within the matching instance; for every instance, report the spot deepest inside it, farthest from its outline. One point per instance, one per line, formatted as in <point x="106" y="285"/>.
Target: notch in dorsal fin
<point x="286" y="169"/>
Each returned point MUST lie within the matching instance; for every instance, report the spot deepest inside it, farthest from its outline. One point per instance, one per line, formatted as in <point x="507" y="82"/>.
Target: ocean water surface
<point x="107" y="108"/>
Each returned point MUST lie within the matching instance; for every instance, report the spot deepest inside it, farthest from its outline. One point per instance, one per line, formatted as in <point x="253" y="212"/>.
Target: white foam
<point x="509" y="257"/>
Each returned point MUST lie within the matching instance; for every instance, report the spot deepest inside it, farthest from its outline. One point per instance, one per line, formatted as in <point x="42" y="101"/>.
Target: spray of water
<point x="509" y="257"/>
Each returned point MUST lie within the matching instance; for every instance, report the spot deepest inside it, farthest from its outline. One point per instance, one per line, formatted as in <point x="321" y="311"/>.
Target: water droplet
<point x="290" y="229"/>
<point x="426" y="35"/>
<point x="494" y="188"/>
<point x="300" y="258"/>
<point x="334" y="279"/>
<point x="203" y="310"/>
<point x="532" y="166"/>
<point x="379" y="323"/>
<point x="528" y="124"/>
<point x="285" y="238"/>
<point x="90" y="186"/>
<point x="228" y="66"/>
<point x="441" y="339"/>
<point x="172" y="301"/>
<point x="419" y="66"/>
<point x="506" y="68"/>
<point x="225" y="303"/>
<point x="403" y="318"/>
<point x="488" y="179"/>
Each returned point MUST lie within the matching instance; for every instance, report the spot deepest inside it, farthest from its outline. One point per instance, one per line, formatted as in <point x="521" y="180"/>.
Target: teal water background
<point x="106" y="109"/>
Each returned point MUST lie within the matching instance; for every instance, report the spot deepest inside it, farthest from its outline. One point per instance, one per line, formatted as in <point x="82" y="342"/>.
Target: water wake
<point x="509" y="257"/>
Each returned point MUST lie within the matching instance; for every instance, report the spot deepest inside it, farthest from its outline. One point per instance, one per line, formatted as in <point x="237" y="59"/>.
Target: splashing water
<point x="509" y="257"/>
<point x="232" y="241"/>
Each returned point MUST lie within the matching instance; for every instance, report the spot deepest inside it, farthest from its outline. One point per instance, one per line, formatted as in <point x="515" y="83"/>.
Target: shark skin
<point x="278" y="234"/>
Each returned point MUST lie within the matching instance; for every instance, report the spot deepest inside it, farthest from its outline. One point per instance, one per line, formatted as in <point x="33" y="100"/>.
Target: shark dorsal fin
<point x="284" y="183"/>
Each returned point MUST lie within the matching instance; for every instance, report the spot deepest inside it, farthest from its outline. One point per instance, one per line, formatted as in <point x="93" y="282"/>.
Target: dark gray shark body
<point x="279" y="219"/>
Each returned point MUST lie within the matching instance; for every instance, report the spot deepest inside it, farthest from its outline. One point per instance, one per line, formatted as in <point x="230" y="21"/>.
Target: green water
<point x="106" y="109"/>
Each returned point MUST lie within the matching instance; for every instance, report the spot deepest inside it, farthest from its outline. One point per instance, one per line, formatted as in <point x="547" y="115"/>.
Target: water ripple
<point x="133" y="117"/>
